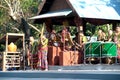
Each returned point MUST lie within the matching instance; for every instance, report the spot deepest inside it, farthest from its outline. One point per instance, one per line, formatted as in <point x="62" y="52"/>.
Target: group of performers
<point x="37" y="52"/>
<point x="110" y="36"/>
<point x="63" y="39"/>
<point x="73" y="44"/>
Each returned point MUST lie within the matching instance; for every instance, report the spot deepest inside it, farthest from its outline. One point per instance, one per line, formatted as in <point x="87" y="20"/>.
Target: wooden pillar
<point x="4" y="62"/>
<point x="49" y="25"/>
<point x="84" y="26"/>
<point x="114" y="25"/>
<point x="79" y="23"/>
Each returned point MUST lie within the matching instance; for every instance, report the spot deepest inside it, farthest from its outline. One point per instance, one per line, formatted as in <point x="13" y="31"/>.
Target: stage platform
<point x="76" y="72"/>
<point x="77" y="67"/>
<point x="87" y="67"/>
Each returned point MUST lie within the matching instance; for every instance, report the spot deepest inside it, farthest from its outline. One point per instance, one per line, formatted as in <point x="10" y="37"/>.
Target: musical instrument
<point x="109" y="49"/>
<point x="92" y="49"/>
<point x="77" y="46"/>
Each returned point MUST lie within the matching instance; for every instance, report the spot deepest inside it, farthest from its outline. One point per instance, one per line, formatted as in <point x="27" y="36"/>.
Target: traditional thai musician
<point x="117" y="40"/>
<point x="29" y="51"/>
<point x="66" y="39"/>
<point x="101" y="35"/>
<point x="53" y="38"/>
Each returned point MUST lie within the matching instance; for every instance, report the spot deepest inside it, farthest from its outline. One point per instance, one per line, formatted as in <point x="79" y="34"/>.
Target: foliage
<point x="7" y="24"/>
<point x="104" y="28"/>
<point x="30" y="8"/>
<point x="58" y="28"/>
<point x="91" y="30"/>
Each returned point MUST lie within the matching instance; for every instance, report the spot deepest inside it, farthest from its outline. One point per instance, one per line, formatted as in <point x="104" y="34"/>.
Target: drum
<point x="109" y="49"/>
<point x="92" y="49"/>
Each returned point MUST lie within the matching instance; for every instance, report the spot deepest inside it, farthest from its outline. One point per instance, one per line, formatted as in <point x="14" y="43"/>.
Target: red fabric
<point x="118" y="53"/>
<point x="42" y="56"/>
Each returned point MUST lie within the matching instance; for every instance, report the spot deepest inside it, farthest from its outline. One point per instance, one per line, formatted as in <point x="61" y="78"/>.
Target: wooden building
<point x="78" y="13"/>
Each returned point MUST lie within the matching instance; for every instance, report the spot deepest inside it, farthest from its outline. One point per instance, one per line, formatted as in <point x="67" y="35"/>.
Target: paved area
<point x="62" y="75"/>
<point x="78" y="72"/>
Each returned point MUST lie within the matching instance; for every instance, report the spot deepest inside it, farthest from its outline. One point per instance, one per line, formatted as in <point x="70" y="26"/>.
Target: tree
<point x="11" y="12"/>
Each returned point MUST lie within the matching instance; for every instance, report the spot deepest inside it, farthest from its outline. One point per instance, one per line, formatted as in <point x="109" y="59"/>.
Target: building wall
<point x="59" y="5"/>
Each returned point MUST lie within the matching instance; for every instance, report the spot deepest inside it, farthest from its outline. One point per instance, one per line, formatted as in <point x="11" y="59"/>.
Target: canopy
<point x="100" y="9"/>
<point x="53" y="14"/>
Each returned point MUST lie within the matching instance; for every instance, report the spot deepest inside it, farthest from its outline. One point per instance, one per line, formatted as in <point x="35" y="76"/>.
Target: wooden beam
<point x="49" y="25"/>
